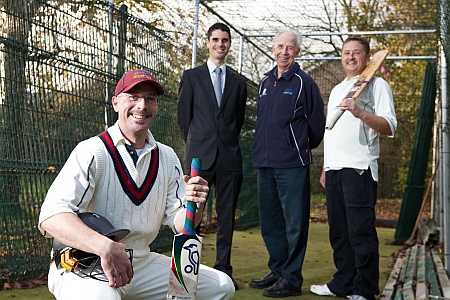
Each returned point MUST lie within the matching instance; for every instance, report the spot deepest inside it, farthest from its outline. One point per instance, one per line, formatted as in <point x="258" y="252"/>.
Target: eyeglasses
<point x="153" y="100"/>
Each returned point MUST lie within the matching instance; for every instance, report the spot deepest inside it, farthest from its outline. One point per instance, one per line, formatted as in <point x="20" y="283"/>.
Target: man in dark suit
<point x="211" y="108"/>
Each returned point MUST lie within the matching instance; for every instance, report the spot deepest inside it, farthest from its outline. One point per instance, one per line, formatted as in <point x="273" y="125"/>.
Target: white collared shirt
<point x="351" y="143"/>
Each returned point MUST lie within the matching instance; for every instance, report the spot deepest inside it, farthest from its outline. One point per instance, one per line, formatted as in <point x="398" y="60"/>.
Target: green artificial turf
<point x="249" y="260"/>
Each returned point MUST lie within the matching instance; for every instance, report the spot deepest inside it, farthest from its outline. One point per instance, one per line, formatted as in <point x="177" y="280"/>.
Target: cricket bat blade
<point x="186" y="253"/>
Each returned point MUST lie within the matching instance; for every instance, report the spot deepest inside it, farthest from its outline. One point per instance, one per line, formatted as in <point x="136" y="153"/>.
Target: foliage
<point x="143" y="6"/>
<point x="407" y="78"/>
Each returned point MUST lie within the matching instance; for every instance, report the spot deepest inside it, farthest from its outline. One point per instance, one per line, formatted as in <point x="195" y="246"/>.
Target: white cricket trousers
<point x="150" y="281"/>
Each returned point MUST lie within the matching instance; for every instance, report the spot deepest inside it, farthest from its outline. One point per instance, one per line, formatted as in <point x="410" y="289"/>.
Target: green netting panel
<point x="412" y="197"/>
<point x="23" y="251"/>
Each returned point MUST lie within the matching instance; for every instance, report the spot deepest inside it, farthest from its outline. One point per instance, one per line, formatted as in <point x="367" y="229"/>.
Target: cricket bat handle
<point x="189" y="222"/>
<point x="330" y="124"/>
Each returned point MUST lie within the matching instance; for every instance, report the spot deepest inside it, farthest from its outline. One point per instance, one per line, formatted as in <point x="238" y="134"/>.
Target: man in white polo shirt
<point x="350" y="175"/>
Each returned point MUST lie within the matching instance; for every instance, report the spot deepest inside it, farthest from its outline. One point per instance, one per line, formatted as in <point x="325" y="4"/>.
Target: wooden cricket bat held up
<point x="364" y="78"/>
<point x="186" y="253"/>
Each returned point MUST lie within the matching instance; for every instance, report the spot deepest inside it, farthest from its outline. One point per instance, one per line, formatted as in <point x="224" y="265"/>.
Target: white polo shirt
<point x="351" y="143"/>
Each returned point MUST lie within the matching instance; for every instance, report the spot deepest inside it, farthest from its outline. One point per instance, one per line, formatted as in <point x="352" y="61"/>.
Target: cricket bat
<point x="357" y="88"/>
<point x="186" y="253"/>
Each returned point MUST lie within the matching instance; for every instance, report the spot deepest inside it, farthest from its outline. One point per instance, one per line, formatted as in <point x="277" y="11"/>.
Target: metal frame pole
<point x="241" y="54"/>
<point x="108" y="94"/>
<point x="194" y="46"/>
<point x="446" y="162"/>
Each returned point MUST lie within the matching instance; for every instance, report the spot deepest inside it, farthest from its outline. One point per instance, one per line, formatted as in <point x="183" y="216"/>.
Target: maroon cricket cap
<point x="133" y="77"/>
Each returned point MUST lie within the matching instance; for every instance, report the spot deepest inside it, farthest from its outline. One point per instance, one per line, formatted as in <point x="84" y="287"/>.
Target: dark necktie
<point x="218" y="85"/>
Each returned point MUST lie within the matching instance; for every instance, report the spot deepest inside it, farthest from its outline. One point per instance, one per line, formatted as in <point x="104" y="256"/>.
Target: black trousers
<point x="351" y="199"/>
<point x="227" y="186"/>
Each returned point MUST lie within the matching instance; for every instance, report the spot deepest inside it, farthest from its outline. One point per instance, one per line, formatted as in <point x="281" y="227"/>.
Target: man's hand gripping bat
<point x="360" y="84"/>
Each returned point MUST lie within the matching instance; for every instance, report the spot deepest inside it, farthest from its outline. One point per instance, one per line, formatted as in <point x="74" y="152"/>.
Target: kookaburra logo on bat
<point x="194" y="259"/>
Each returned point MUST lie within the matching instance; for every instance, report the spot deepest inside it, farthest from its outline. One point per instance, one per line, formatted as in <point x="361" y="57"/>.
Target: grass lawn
<point x="249" y="259"/>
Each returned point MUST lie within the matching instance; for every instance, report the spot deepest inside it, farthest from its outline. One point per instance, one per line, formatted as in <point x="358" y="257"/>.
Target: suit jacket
<point x="206" y="128"/>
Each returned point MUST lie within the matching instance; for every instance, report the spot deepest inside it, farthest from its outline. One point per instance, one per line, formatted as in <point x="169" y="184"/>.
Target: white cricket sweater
<point x="89" y="181"/>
